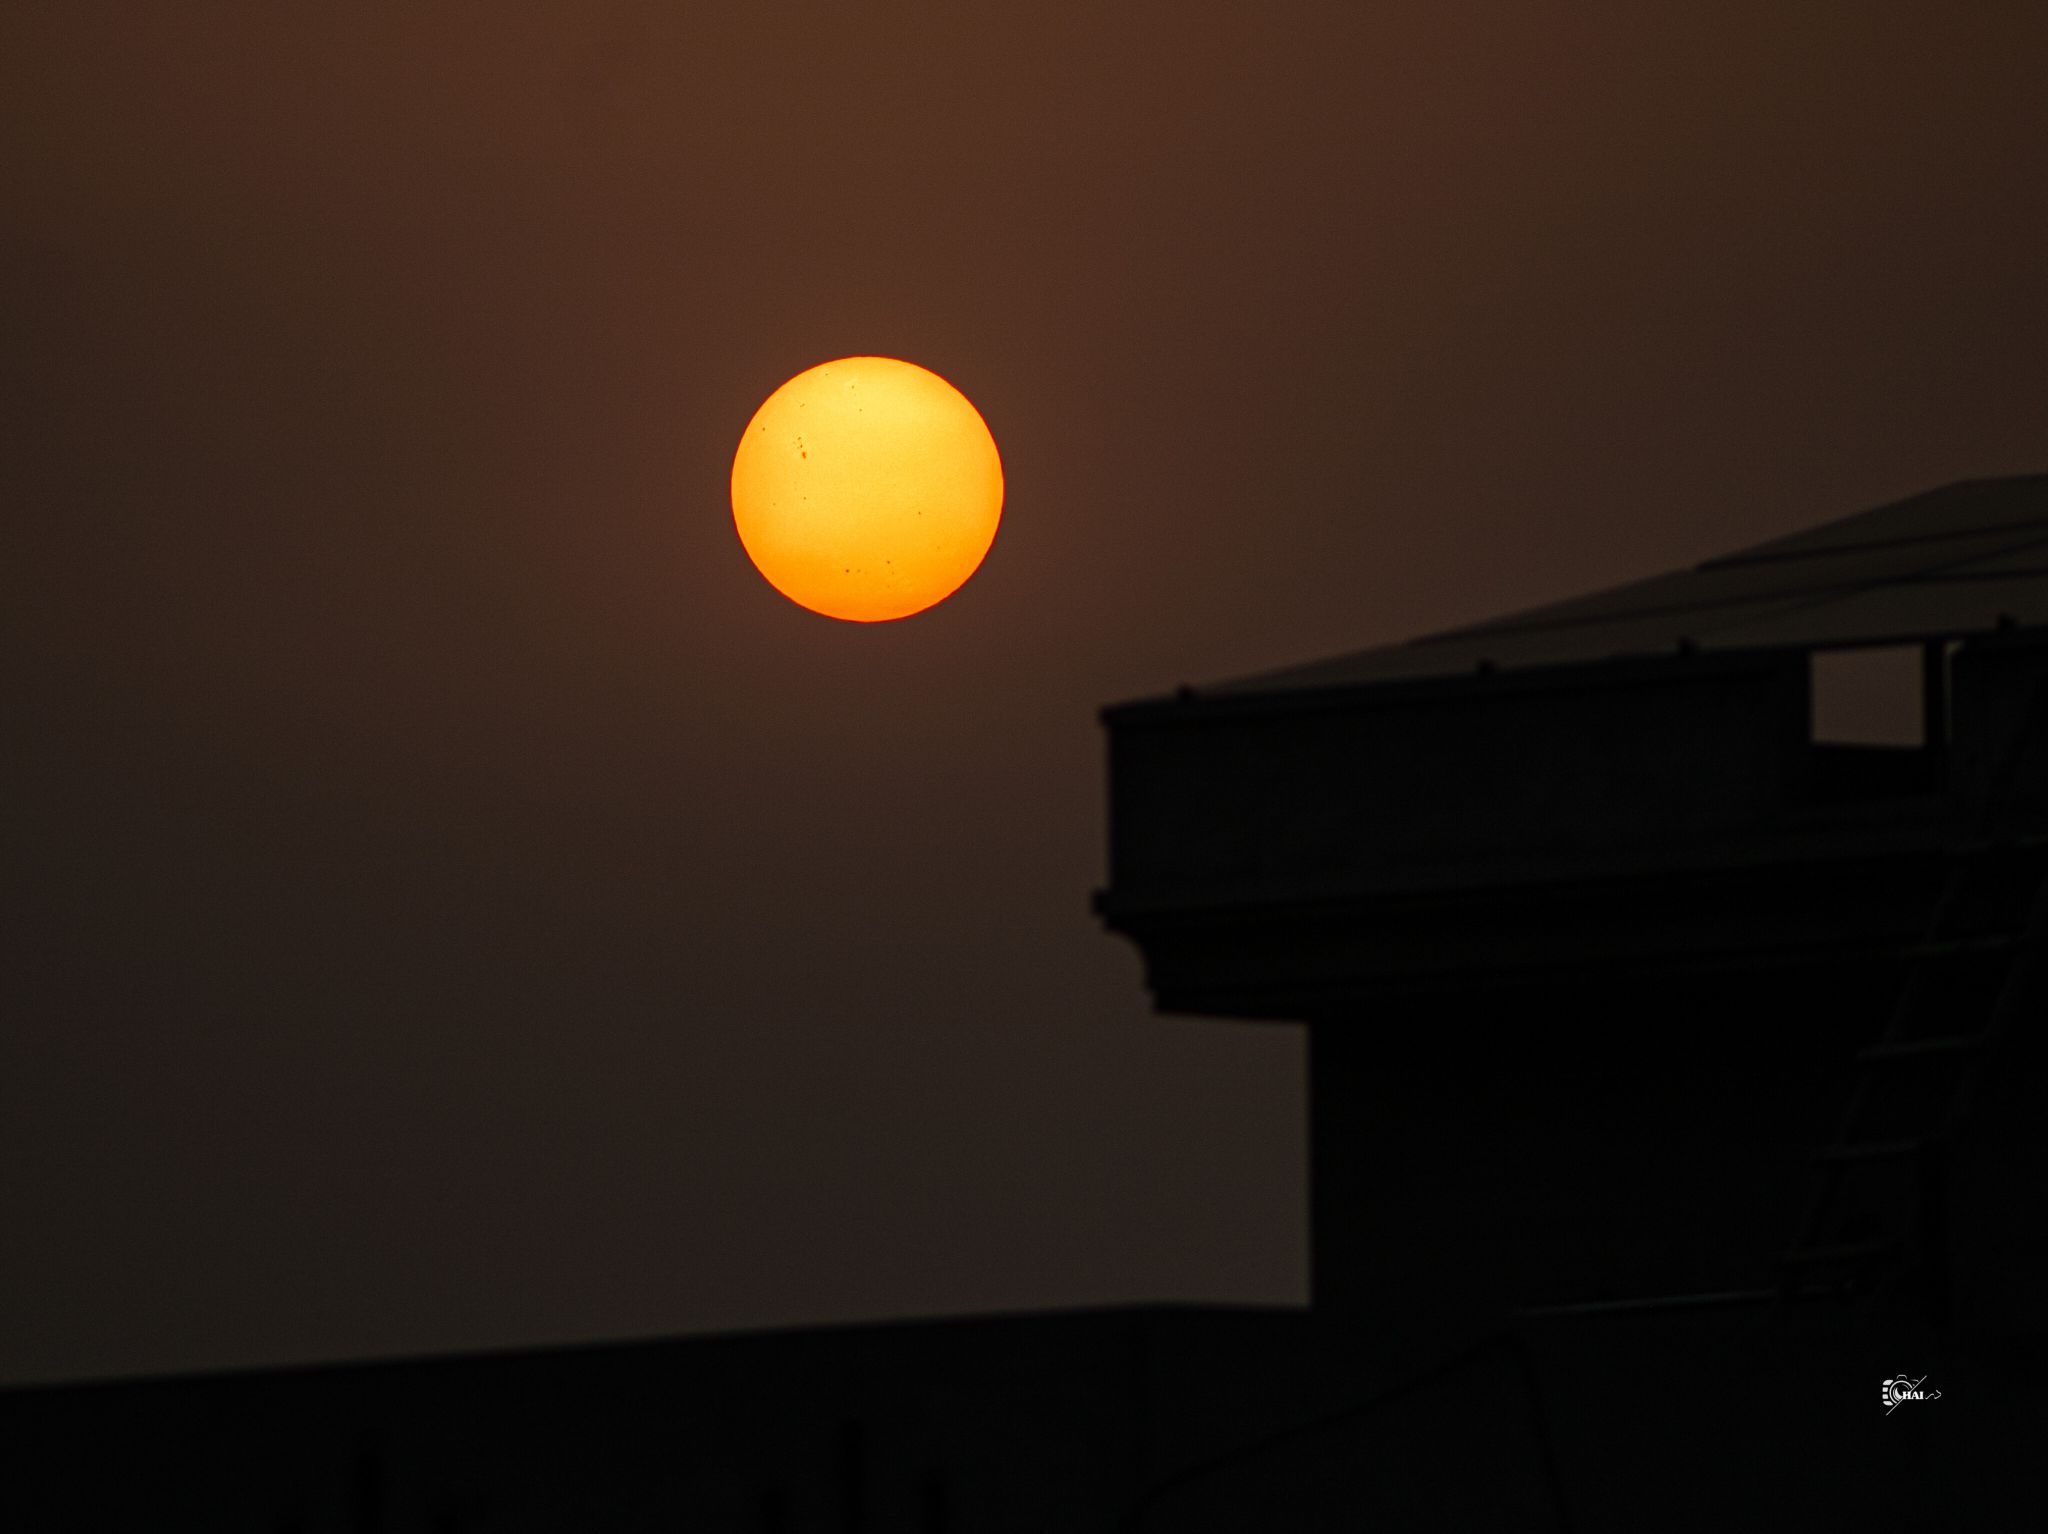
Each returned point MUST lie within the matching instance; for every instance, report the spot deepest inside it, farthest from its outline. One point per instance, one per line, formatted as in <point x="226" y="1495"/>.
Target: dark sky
<point x="451" y="900"/>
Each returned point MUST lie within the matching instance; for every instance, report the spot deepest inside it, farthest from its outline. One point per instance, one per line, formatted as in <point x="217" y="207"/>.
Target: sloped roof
<point x="1965" y="559"/>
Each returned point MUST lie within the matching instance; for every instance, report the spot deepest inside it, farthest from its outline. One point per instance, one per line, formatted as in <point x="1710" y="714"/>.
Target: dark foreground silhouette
<point x="1677" y="1159"/>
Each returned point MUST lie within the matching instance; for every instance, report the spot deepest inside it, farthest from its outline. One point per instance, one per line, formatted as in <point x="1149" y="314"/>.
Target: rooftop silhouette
<point x="1967" y="559"/>
<point x="1675" y="1072"/>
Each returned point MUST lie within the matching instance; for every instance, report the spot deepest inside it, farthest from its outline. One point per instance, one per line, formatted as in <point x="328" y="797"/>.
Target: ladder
<point x="1878" y="1201"/>
<point x="1879" y="1198"/>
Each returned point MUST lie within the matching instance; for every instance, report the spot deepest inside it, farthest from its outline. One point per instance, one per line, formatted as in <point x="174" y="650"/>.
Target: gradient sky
<point x="451" y="900"/>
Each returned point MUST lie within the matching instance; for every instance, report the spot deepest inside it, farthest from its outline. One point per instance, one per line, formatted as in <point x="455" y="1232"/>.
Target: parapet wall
<point x="1369" y="785"/>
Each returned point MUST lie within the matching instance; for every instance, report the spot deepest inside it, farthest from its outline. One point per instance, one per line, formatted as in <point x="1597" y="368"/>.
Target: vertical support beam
<point x="936" y="1513"/>
<point x="853" y="1513"/>
<point x="367" y="1494"/>
<point x="1934" y="732"/>
<point x="1932" y="1252"/>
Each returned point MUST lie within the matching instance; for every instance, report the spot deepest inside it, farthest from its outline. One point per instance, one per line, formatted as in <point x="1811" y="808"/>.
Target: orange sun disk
<point x="867" y="489"/>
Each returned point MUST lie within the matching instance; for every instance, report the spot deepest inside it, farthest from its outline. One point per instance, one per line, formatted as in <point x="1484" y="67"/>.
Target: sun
<point x="867" y="489"/>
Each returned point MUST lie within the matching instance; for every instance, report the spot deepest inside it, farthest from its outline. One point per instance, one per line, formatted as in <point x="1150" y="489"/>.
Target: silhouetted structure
<point x="1651" y="1031"/>
<point x="1676" y="1076"/>
<point x="1049" y="1421"/>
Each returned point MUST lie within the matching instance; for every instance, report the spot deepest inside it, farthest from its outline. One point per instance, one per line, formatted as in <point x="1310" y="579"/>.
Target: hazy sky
<point x="451" y="900"/>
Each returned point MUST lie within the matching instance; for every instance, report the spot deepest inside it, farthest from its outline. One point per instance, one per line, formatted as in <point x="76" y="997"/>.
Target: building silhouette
<point x="1677" y="1079"/>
